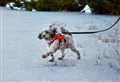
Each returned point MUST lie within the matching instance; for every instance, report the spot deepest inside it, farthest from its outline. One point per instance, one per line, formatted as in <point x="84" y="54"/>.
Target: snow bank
<point x="12" y="6"/>
<point x="86" y="9"/>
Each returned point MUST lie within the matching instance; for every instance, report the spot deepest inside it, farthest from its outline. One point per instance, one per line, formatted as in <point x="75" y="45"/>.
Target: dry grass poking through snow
<point x="111" y="40"/>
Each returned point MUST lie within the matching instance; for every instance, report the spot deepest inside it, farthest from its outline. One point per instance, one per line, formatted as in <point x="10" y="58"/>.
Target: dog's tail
<point x="64" y="30"/>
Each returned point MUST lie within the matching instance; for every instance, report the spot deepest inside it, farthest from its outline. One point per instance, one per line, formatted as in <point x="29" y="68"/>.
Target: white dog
<point x="57" y="41"/>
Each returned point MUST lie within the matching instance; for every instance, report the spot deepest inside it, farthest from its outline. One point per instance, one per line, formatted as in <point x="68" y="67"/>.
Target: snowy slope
<point x="22" y="50"/>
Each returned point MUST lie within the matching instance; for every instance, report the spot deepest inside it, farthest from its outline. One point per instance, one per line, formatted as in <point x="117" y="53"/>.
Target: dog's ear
<point x="40" y="36"/>
<point x="52" y="25"/>
<point x="54" y="30"/>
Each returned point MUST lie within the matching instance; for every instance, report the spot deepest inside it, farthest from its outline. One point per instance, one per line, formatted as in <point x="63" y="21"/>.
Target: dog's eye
<point x="46" y="32"/>
<point x="50" y="26"/>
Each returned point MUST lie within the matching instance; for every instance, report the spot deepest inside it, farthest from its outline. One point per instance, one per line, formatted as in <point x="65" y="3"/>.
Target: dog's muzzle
<point x="40" y="36"/>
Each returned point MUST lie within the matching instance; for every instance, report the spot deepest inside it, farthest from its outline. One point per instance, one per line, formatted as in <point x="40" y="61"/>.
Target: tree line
<point x="111" y="7"/>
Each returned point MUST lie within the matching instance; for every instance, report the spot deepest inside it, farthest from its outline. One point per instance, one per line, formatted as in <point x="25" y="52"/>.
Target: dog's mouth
<point x="46" y="38"/>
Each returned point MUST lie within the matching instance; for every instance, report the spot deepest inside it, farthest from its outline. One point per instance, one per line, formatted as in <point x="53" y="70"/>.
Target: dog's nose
<point x="39" y="36"/>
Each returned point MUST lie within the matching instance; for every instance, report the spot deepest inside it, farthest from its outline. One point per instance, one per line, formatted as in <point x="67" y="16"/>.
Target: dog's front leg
<point x="53" y="48"/>
<point x="52" y="58"/>
<point x="46" y="55"/>
<point x="49" y="54"/>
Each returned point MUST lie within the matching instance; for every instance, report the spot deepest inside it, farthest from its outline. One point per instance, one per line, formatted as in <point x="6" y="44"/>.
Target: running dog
<point x="57" y="41"/>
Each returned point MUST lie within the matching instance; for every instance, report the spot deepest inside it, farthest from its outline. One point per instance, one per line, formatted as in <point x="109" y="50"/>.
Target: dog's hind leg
<point x="63" y="55"/>
<point x="76" y="51"/>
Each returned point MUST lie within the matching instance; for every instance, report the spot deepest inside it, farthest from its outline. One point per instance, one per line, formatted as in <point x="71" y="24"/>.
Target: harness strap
<point x="58" y="37"/>
<point x="51" y="42"/>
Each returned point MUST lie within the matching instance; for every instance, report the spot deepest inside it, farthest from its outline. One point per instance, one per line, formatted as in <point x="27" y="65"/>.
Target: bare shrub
<point x="80" y="45"/>
<point x="109" y="39"/>
<point x="97" y="62"/>
<point x="111" y="64"/>
<point x="92" y="27"/>
<point x="98" y="56"/>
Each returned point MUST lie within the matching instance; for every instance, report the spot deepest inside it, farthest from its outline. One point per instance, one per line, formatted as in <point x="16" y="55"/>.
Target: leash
<point x="93" y="31"/>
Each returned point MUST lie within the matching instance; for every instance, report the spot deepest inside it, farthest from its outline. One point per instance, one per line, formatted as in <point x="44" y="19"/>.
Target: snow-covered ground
<point x="22" y="50"/>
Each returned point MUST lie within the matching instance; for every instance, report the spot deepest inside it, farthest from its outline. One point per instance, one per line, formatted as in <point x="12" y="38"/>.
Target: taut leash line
<point x="93" y="31"/>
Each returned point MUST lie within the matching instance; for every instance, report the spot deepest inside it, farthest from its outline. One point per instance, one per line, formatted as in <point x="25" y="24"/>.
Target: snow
<point x="16" y="8"/>
<point x="28" y="0"/>
<point x="10" y="4"/>
<point x="31" y="0"/>
<point x="33" y="10"/>
<point x="86" y="9"/>
<point x="22" y="50"/>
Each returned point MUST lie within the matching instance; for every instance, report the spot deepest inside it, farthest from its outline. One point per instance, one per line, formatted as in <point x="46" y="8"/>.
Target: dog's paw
<point x="60" y="58"/>
<point x="79" y="57"/>
<point x="44" y="56"/>
<point x="51" y="60"/>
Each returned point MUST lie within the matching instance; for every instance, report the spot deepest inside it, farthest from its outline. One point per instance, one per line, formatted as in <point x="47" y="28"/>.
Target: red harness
<point x="58" y="37"/>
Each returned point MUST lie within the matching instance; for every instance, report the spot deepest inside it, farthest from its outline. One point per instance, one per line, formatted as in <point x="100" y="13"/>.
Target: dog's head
<point x="48" y="33"/>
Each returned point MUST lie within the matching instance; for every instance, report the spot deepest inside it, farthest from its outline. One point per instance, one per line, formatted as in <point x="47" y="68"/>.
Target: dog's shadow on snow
<point x="62" y="63"/>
